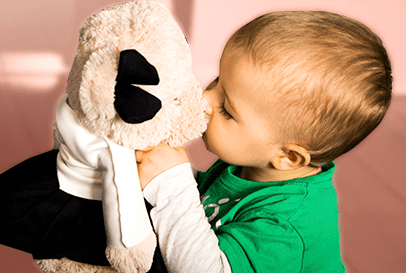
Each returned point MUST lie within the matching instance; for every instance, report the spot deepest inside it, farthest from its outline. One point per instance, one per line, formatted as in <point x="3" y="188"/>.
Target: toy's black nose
<point x="133" y="104"/>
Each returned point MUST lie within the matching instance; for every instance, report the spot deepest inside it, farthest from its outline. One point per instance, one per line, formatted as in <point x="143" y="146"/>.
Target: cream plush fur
<point x="149" y="28"/>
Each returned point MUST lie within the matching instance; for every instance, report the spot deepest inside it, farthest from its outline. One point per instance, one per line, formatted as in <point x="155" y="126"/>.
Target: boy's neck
<point x="272" y="174"/>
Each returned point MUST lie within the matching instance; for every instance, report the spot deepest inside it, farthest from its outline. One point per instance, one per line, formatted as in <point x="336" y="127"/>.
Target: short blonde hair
<point x="330" y="75"/>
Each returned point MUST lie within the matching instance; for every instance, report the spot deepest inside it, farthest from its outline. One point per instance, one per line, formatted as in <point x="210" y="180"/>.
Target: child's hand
<point x="154" y="161"/>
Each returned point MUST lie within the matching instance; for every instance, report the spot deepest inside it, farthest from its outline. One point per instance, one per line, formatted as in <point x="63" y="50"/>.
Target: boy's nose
<point x="207" y="96"/>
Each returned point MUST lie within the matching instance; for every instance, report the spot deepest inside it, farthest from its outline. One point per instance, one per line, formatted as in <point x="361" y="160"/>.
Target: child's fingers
<point x="154" y="161"/>
<point x="162" y="154"/>
<point x="140" y="154"/>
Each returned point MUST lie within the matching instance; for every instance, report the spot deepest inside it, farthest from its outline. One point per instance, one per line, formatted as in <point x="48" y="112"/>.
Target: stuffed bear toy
<point x="131" y="87"/>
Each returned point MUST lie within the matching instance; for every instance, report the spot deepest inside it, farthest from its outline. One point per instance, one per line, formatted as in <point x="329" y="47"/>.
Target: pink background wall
<point x="38" y="41"/>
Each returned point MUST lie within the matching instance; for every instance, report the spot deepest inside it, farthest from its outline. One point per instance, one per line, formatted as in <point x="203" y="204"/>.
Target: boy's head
<point x="326" y="79"/>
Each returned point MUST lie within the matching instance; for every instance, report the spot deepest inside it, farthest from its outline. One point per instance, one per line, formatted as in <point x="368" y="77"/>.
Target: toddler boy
<point x="295" y="91"/>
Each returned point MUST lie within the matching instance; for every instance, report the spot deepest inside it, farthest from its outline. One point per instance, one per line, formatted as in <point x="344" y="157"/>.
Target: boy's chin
<point x="204" y="137"/>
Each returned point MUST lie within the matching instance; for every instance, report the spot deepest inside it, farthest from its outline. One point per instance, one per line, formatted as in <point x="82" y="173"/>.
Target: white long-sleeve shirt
<point x="187" y="242"/>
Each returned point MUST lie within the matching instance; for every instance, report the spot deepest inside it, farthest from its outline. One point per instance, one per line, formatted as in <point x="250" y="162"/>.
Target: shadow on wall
<point x="30" y="86"/>
<point x="370" y="184"/>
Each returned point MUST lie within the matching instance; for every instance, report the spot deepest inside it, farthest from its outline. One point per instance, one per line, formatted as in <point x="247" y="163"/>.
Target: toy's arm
<point x="187" y="242"/>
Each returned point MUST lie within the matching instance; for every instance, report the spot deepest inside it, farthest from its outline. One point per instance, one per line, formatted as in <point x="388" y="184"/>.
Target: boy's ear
<point x="290" y="157"/>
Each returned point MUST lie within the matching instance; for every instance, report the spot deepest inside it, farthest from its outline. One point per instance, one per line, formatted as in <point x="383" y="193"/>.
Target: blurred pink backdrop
<point x="38" y="40"/>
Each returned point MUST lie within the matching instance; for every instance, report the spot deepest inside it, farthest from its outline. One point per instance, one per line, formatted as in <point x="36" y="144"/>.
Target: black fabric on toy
<point x="133" y="104"/>
<point x="39" y="218"/>
<point x="42" y="220"/>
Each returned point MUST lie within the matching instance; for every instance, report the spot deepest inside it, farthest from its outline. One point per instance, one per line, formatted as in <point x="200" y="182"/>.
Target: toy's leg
<point x="137" y="259"/>
<point x="69" y="266"/>
<point x="65" y="265"/>
<point x="49" y="265"/>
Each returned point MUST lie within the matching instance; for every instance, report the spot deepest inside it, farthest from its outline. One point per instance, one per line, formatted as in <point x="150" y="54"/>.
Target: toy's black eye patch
<point x="133" y="104"/>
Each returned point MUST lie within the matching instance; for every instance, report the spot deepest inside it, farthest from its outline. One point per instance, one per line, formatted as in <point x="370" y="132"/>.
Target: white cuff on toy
<point x="124" y="209"/>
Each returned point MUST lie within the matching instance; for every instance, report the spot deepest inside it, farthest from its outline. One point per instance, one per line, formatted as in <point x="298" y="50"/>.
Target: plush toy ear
<point x="133" y="104"/>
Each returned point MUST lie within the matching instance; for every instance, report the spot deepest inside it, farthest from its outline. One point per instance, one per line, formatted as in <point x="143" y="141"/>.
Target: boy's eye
<point x="224" y="112"/>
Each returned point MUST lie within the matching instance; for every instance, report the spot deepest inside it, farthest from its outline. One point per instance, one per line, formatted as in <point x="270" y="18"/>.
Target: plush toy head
<point x="132" y="80"/>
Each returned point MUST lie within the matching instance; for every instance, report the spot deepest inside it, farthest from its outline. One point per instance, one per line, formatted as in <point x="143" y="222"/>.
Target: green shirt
<point x="284" y="226"/>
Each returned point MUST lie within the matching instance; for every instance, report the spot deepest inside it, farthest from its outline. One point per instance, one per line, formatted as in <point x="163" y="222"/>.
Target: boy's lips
<point x="207" y="119"/>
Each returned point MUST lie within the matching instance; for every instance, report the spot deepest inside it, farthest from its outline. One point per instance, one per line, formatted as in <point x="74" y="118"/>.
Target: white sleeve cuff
<point x="173" y="180"/>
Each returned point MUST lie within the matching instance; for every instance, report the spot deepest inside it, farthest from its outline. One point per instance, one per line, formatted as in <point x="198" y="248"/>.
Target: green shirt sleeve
<point x="260" y="242"/>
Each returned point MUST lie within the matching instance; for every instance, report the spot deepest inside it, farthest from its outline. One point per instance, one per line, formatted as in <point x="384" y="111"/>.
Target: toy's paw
<point x="136" y="259"/>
